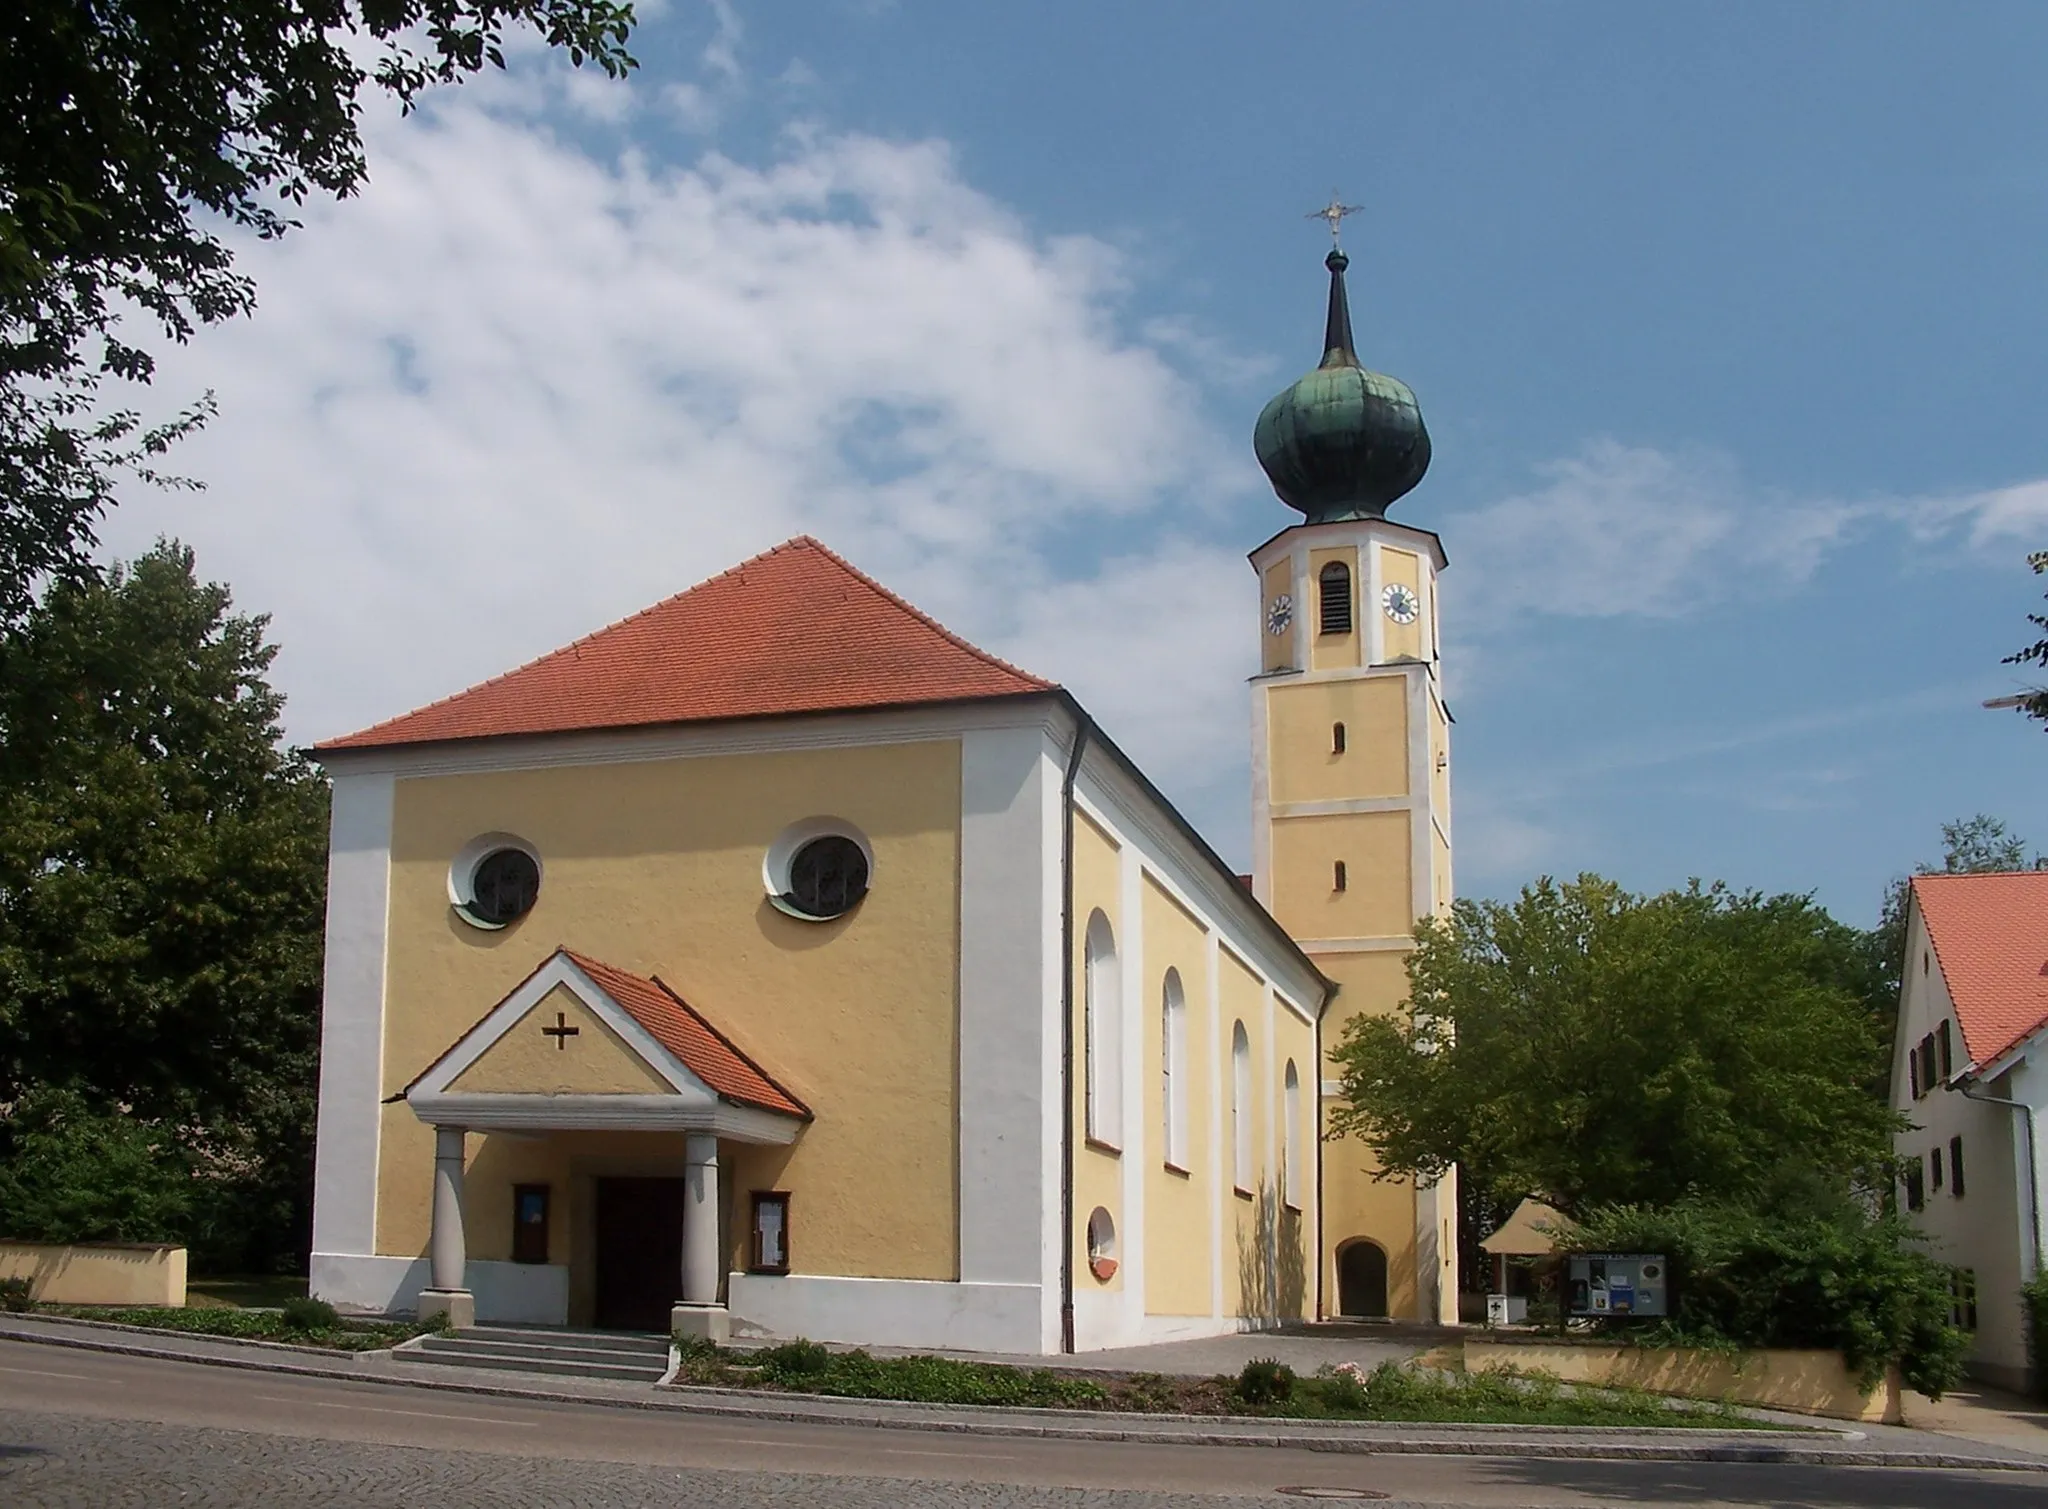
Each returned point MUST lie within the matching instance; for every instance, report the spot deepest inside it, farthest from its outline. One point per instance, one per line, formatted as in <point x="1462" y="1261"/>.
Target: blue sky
<point x="1728" y="322"/>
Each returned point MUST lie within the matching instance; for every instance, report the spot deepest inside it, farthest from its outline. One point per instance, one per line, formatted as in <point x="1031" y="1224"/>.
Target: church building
<point x="721" y="975"/>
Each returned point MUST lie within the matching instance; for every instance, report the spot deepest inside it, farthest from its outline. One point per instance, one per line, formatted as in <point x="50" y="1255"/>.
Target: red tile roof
<point x="677" y="1026"/>
<point x="796" y="630"/>
<point x="1990" y="936"/>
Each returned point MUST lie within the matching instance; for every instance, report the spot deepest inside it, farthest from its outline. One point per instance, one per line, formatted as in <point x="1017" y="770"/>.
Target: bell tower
<point x="1351" y="774"/>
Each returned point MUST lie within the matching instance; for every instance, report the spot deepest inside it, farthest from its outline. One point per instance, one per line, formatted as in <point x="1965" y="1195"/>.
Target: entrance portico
<point x="580" y="1047"/>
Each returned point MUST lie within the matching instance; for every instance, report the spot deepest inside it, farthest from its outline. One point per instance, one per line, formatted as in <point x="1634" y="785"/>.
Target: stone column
<point x="700" y="1313"/>
<point x="447" y="1292"/>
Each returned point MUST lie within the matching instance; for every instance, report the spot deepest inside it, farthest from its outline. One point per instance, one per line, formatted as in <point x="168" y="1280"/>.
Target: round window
<point x="505" y="886"/>
<point x="494" y="881"/>
<point x="827" y="876"/>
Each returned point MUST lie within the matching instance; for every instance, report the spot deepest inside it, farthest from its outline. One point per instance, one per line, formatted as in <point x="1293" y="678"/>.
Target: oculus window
<point x="494" y="881"/>
<point x="818" y="870"/>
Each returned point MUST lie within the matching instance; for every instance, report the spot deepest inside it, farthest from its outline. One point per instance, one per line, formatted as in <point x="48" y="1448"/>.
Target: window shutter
<point x="1334" y="584"/>
<point x="1955" y="1167"/>
<point x="1947" y="1060"/>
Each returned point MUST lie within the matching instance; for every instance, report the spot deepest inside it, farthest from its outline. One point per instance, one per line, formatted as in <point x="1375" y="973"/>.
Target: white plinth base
<point x="458" y="1305"/>
<point x="712" y="1323"/>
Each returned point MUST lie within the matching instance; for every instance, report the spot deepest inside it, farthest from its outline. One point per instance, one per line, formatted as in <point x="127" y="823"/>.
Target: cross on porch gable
<point x="561" y="1032"/>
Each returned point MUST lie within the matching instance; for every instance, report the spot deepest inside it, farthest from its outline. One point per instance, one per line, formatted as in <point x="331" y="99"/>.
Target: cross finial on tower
<point x="1333" y="213"/>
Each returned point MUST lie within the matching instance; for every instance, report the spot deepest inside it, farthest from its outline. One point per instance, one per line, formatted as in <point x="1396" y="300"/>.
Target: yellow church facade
<point x="776" y="963"/>
<point x="704" y="974"/>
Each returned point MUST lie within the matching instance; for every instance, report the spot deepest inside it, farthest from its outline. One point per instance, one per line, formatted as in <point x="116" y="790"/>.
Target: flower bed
<point x="305" y="1324"/>
<point x="1266" y="1388"/>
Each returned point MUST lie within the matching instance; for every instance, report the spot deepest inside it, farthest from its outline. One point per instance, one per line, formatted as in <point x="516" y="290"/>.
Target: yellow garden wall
<point x="97" y="1274"/>
<point x="1814" y="1383"/>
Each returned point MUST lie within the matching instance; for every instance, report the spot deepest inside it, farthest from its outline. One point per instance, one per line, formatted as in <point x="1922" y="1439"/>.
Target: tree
<point x="1593" y="1047"/>
<point x="162" y="871"/>
<point x="134" y="129"/>
<point x="2035" y="705"/>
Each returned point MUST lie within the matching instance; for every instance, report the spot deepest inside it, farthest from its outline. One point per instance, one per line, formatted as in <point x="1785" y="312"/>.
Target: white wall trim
<point x="1339" y="806"/>
<point x="528" y="1294"/>
<point x="1003" y="993"/>
<point x="349" y="1117"/>
<point x="690" y="740"/>
<point x="889" y="1312"/>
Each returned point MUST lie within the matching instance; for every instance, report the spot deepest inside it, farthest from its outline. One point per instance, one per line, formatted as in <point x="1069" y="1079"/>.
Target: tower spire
<point x="1337" y="348"/>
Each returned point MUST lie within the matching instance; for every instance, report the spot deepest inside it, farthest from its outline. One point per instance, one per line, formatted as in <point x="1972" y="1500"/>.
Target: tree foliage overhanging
<point x="138" y="130"/>
<point x="162" y="861"/>
<point x="1594" y="1047"/>
<point x="2035" y="704"/>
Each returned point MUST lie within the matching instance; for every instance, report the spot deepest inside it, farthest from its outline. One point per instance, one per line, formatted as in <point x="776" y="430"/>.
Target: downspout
<point x="1067" y="1033"/>
<point x="2033" y="1169"/>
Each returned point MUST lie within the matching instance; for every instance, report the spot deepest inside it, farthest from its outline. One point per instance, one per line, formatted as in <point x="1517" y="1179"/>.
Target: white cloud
<point x="512" y="392"/>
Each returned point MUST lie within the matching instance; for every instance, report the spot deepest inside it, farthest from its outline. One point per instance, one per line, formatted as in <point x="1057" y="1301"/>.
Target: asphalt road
<point x="92" y="1429"/>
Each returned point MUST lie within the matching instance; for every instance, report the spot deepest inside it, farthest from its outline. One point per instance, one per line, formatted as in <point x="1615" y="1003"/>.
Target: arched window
<point x="1173" y="1069"/>
<point x="1333" y="585"/>
<point x="1336" y="738"/>
<point x="1245" y="1172"/>
<point x="1290" y="1171"/>
<point x="1104" y="1044"/>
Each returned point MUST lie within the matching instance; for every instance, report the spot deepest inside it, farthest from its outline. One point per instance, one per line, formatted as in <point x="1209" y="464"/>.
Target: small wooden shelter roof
<point x="1519" y="1236"/>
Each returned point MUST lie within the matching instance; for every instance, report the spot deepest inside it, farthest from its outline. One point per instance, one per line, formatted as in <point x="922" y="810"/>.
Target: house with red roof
<point x="715" y="973"/>
<point x="1970" y="1072"/>
<point x="775" y="961"/>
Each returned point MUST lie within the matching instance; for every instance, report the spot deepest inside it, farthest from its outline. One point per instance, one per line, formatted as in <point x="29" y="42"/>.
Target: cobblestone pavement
<point x="66" y="1462"/>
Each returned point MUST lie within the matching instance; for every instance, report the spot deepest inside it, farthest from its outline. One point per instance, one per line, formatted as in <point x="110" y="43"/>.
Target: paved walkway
<point x="1987" y="1415"/>
<point x="1828" y="1443"/>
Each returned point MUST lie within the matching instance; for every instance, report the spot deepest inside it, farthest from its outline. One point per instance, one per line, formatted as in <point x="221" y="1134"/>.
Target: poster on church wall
<point x="1603" y="1285"/>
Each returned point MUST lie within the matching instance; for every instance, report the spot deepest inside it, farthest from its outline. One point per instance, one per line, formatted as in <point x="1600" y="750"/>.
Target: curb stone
<point x="1495" y="1440"/>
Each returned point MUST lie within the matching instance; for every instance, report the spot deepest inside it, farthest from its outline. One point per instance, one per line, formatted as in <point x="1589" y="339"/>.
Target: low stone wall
<point x="97" y="1274"/>
<point x="1814" y="1383"/>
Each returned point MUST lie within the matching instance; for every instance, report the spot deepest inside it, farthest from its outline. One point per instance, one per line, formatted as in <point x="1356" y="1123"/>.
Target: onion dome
<point x="1344" y="442"/>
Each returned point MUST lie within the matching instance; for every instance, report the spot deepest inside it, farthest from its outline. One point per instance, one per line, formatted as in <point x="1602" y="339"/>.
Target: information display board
<point x="1600" y="1284"/>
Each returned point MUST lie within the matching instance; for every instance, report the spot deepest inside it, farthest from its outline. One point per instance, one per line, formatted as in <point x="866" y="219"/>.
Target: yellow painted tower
<point x="1351" y="777"/>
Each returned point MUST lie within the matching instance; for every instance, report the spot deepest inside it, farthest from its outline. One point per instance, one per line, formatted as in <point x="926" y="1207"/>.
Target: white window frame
<point x="1290" y="1131"/>
<point x="1173" y="1068"/>
<point x="1103" y="1038"/>
<point x="1244" y="1169"/>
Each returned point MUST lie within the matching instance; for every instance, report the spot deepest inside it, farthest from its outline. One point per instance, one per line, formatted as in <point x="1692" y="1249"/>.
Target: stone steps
<point x="622" y="1356"/>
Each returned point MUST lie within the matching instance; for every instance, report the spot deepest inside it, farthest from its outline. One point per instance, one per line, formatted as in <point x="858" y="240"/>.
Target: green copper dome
<point x="1344" y="442"/>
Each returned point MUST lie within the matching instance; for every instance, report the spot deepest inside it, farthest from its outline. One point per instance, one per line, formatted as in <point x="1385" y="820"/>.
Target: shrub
<point x="1817" y="1271"/>
<point x="73" y="1173"/>
<point x="14" y="1295"/>
<point x="795" y="1361"/>
<point x="304" y="1313"/>
<point x="2035" y="1297"/>
<point x="1265" y="1380"/>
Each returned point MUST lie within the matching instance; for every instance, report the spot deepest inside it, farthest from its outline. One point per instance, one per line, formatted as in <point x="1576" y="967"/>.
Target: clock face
<point x="1279" y="614"/>
<point x="1401" y="603"/>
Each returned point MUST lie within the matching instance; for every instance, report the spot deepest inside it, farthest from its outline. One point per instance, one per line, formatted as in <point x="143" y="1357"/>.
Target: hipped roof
<point x="1990" y="937"/>
<point x="794" y="630"/>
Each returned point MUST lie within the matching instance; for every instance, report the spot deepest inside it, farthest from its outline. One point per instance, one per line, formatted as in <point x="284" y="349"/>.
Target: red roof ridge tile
<point x="407" y="727"/>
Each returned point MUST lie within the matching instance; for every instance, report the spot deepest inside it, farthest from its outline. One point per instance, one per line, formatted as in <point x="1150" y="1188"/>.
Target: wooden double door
<point x="639" y="1252"/>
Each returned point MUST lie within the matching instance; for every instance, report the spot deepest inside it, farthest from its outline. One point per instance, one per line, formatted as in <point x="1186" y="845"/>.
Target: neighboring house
<point x="1970" y="1070"/>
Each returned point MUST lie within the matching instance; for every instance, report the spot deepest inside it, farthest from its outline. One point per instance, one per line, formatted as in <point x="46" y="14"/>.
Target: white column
<point x="446" y="1292"/>
<point x="700" y="1314"/>
<point x="700" y="1220"/>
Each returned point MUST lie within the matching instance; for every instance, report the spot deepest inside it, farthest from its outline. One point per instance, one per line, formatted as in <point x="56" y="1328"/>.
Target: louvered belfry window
<point x="1334" y="597"/>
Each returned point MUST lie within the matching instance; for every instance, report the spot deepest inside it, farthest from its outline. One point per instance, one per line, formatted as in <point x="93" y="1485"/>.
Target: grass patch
<point x="1268" y="1389"/>
<point x="245" y="1291"/>
<point x="302" y="1328"/>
